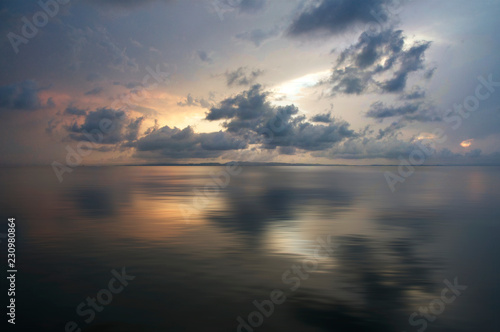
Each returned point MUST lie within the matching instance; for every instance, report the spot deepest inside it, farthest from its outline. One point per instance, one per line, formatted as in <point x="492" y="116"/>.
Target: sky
<point x="88" y="82"/>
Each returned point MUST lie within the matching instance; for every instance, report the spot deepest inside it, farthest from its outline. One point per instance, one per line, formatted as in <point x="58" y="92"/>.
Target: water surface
<point x="200" y="261"/>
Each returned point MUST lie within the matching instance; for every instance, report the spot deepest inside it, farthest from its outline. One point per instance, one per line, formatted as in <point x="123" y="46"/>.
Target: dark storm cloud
<point x="241" y="76"/>
<point x="416" y="111"/>
<point x="20" y="96"/>
<point x="358" y="67"/>
<point x="94" y="92"/>
<point x="337" y="16"/>
<point x="250" y="115"/>
<point x="185" y="143"/>
<point x="114" y="126"/>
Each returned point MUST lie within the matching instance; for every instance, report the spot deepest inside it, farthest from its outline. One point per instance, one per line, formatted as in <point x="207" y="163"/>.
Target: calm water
<point x="199" y="263"/>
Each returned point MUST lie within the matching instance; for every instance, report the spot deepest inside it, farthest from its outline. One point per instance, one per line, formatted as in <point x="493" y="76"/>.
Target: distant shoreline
<point x="251" y="164"/>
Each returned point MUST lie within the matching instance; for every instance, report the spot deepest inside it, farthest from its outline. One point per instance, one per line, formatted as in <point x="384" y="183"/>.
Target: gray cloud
<point x="20" y="96"/>
<point x="413" y="111"/>
<point x="325" y="118"/>
<point x="115" y="126"/>
<point x="185" y="143"/>
<point x="94" y="92"/>
<point x="251" y="6"/>
<point x="416" y="93"/>
<point x="337" y="16"/>
<point x="204" y="57"/>
<point x="241" y="76"/>
<point x="359" y="66"/>
<point x="391" y="131"/>
<point x="370" y="148"/>
<point x="75" y="111"/>
<point x="250" y="115"/>
<point x="258" y="36"/>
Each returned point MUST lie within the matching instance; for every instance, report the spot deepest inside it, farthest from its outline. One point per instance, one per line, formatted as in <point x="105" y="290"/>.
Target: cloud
<point x="20" y="96"/>
<point x="411" y="60"/>
<point x="337" y="16"/>
<point x="94" y="92"/>
<point x="75" y="111"/>
<point x="370" y="148"/>
<point x="360" y="68"/>
<point x="391" y="131"/>
<point x="190" y="101"/>
<point x="204" y="57"/>
<point x="250" y="115"/>
<point x="413" y="111"/>
<point x="182" y="144"/>
<point x="325" y="118"/>
<point x="241" y="77"/>
<point x="251" y="6"/>
<point x="258" y="36"/>
<point x="416" y="93"/>
<point x="113" y="126"/>
<point x="239" y="6"/>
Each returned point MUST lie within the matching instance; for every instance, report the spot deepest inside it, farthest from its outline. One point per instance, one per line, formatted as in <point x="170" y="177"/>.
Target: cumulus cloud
<point x="251" y="115"/>
<point x="337" y="16"/>
<point x="185" y="143"/>
<point x="115" y="127"/>
<point x="359" y="68"/>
